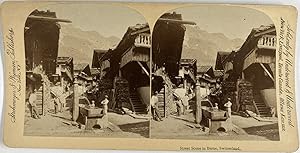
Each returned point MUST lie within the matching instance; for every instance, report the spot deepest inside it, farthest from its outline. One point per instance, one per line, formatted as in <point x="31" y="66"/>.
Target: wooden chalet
<point x="249" y="72"/>
<point x="82" y="76"/>
<point x="168" y="35"/>
<point x="221" y="56"/>
<point x="189" y="68"/>
<point x="95" y="73"/>
<point x="205" y="74"/>
<point x="227" y="67"/>
<point x="102" y="62"/>
<point x="127" y="66"/>
<point x="64" y="71"/>
<point x="82" y="72"/>
<point x="219" y="75"/>
<point x="97" y="55"/>
<point x="254" y="64"/>
<point x="41" y="36"/>
<point x="225" y="63"/>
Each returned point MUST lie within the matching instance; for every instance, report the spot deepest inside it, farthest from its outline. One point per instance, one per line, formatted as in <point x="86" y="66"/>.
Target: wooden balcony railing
<point x="143" y="40"/>
<point x="267" y="42"/>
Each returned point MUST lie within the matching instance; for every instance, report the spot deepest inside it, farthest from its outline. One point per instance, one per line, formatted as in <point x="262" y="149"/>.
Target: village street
<point x="62" y="125"/>
<point x="77" y="80"/>
<point x="230" y="95"/>
<point x="183" y="127"/>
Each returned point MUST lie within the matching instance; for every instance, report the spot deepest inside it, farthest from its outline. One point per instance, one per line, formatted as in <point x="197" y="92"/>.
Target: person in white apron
<point x="105" y="105"/>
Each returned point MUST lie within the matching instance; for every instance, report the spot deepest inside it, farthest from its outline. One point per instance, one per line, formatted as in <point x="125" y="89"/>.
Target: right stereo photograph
<point x="213" y="75"/>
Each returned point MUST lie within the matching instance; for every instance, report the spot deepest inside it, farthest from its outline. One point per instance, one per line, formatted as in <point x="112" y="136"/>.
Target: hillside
<point x="80" y="44"/>
<point x="204" y="46"/>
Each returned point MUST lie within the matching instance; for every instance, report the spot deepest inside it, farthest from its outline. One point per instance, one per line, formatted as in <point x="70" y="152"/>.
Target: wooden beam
<point x="144" y="69"/>
<point x="48" y="19"/>
<point x="198" y="117"/>
<point x="266" y="70"/>
<point x="265" y="32"/>
<point x="177" y="21"/>
<point x="140" y="31"/>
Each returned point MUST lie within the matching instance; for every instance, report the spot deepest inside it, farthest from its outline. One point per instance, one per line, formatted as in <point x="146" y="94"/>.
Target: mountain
<point x="80" y="45"/>
<point x="204" y="46"/>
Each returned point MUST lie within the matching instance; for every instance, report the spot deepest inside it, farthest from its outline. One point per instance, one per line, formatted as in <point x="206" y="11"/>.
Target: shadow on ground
<point x="141" y="128"/>
<point x="270" y="131"/>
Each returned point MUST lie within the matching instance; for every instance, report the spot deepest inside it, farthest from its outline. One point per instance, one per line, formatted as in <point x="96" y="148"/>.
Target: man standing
<point x="105" y="106"/>
<point x="185" y="103"/>
<point x="179" y="106"/>
<point x="154" y="103"/>
<point x="32" y="102"/>
<point x="227" y="106"/>
<point x="56" y="103"/>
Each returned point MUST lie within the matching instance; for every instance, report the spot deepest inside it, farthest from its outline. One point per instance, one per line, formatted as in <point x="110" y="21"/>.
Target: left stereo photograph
<point x="87" y="72"/>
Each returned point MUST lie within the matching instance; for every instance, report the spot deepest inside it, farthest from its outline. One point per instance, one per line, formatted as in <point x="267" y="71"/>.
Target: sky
<point x="113" y="20"/>
<point x="233" y="22"/>
<point x="107" y="20"/>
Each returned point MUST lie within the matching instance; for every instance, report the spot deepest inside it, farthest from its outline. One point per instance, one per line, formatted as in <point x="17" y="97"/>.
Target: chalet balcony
<point x="267" y="42"/>
<point x="143" y="40"/>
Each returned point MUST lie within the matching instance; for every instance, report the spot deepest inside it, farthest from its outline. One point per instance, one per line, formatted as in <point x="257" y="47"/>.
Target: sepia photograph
<point x="87" y="71"/>
<point x="214" y="75"/>
<point x="186" y="77"/>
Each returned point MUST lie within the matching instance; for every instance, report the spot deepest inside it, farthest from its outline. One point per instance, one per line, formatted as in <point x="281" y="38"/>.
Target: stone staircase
<point x="161" y="102"/>
<point x="252" y="97"/>
<point x="138" y="106"/>
<point x="166" y="96"/>
<point x="39" y="101"/>
<point x="43" y="93"/>
<point x="262" y="109"/>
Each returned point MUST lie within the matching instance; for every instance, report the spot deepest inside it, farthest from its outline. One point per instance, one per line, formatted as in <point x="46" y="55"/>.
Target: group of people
<point x="154" y="107"/>
<point x="33" y="106"/>
<point x="182" y="103"/>
<point x="104" y="104"/>
<point x="58" y="106"/>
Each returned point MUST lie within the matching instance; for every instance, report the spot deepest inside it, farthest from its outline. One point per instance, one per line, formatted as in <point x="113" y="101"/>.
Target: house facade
<point x="255" y="63"/>
<point x="41" y="35"/>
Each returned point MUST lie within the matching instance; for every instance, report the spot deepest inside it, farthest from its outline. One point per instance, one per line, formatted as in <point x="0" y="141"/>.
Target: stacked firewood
<point x="245" y="95"/>
<point x="122" y="93"/>
<point x="105" y="84"/>
<point x="228" y="91"/>
<point x="170" y="105"/>
<point x="228" y="86"/>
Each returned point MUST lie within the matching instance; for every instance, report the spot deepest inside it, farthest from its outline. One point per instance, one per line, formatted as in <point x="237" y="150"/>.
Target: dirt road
<point x="61" y="125"/>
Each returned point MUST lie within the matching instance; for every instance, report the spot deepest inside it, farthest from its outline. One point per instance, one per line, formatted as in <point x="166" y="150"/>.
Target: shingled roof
<point x="94" y="71"/>
<point x="97" y="55"/>
<point x="254" y="36"/>
<point x="218" y="74"/>
<point x="64" y="60"/>
<point x="221" y="56"/>
<point x="187" y="61"/>
<point x="130" y="35"/>
<point x="82" y="67"/>
<point x="139" y="28"/>
<point x="206" y="69"/>
<point x="250" y="43"/>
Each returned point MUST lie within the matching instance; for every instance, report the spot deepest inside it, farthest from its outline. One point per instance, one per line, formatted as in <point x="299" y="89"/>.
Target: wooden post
<point x="114" y="102"/>
<point x="43" y="97"/>
<point x="75" y="112"/>
<point x="62" y="81"/>
<point x="165" y="100"/>
<point x="198" y="103"/>
<point x="184" y="83"/>
<point x="60" y="75"/>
